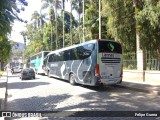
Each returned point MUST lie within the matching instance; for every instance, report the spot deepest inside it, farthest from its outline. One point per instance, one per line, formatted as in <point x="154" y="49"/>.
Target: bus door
<point x="110" y="63"/>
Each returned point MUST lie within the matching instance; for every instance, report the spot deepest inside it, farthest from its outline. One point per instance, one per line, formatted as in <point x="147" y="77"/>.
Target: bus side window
<point x="51" y="58"/>
<point x="74" y="54"/>
<point x="66" y="55"/>
<point x="84" y="52"/>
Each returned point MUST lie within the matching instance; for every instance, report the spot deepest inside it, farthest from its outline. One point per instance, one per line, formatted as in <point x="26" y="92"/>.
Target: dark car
<point x="27" y="73"/>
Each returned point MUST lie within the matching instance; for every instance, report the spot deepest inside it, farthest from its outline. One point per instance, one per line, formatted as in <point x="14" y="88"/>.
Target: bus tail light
<point x="97" y="72"/>
<point x="121" y="72"/>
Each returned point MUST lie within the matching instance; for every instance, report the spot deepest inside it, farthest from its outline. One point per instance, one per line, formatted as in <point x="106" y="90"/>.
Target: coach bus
<point x="36" y="61"/>
<point x="92" y="63"/>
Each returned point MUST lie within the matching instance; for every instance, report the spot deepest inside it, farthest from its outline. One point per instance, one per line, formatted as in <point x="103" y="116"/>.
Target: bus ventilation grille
<point x="111" y="60"/>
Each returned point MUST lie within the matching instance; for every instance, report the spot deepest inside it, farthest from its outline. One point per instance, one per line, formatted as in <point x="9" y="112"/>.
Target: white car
<point x="17" y="69"/>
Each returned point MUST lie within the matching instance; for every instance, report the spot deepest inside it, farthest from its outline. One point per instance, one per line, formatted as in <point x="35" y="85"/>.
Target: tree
<point x="5" y="50"/>
<point x="120" y="23"/>
<point x="24" y="35"/>
<point x="77" y="5"/>
<point x="149" y="18"/>
<point x="56" y="4"/>
<point x="8" y="14"/>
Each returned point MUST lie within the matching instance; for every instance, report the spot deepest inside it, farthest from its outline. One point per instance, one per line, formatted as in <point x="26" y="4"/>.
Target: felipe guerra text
<point x="146" y="115"/>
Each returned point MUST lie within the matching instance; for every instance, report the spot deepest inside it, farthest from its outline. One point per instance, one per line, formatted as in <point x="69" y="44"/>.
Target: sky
<point x="33" y="5"/>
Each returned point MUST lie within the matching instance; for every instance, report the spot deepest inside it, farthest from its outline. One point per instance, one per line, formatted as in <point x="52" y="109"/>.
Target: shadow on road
<point x="35" y="103"/>
<point x="26" y="84"/>
<point x="2" y="84"/>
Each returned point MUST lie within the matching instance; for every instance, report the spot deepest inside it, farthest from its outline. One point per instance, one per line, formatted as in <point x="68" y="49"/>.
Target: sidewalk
<point x="147" y="87"/>
<point x="3" y="83"/>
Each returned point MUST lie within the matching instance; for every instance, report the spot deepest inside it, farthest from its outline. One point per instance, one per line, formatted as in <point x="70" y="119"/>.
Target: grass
<point x="1" y="73"/>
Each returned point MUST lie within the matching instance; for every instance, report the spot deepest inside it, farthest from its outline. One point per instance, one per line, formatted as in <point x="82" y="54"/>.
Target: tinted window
<point x="109" y="46"/>
<point x="45" y="54"/>
<point x="45" y="60"/>
<point x="74" y="54"/>
<point x="85" y="51"/>
<point x="59" y="56"/>
<point x="39" y="55"/>
<point x="67" y="55"/>
<point x="51" y="58"/>
<point x="78" y="53"/>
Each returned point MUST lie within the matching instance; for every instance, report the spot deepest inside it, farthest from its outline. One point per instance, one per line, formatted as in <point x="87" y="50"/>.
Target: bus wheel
<point x="72" y="79"/>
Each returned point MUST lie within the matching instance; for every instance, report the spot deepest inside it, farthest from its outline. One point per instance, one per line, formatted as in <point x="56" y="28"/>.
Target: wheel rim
<point x="72" y="79"/>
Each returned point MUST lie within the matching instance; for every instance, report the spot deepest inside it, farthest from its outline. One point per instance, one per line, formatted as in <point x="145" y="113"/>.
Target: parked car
<point x="27" y="73"/>
<point x="17" y="69"/>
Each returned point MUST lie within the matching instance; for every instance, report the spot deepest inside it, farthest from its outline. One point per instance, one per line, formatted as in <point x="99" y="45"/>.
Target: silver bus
<point x="92" y="63"/>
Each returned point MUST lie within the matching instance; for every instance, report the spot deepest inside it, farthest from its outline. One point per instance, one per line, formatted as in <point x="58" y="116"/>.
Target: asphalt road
<point x="50" y="94"/>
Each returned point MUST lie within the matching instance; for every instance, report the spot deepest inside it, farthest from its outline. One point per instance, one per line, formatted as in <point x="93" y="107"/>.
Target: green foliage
<point x="1" y="73"/>
<point x="149" y="19"/>
<point x="120" y="20"/>
<point x="5" y="49"/>
<point x="8" y="13"/>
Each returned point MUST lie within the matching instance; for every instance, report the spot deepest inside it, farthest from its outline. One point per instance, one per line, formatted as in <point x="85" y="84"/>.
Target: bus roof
<point x="39" y="53"/>
<point x="73" y="46"/>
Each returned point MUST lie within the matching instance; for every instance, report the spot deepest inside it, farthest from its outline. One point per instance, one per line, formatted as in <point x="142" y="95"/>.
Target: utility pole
<point x="83" y="22"/>
<point x="63" y="20"/>
<point x="141" y="61"/>
<point x="51" y="35"/>
<point x="56" y="23"/>
<point x="71" y="22"/>
<point x="99" y="19"/>
<point x="135" y="2"/>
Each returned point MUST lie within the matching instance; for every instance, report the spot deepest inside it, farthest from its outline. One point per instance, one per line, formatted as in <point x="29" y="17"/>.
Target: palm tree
<point x="35" y="17"/>
<point x="24" y="35"/>
<point x="77" y="5"/>
<point x="56" y="5"/>
<point x="71" y="1"/>
<point x="38" y="20"/>
<point x="55" y="9"/>
<point x="49" y="4"/>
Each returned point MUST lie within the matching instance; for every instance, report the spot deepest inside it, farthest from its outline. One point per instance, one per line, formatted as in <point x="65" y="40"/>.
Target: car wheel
<point x="72" y="79"/>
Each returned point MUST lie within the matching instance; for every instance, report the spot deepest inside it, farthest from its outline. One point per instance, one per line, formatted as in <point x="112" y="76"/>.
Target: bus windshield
<point x="110" y="47"/>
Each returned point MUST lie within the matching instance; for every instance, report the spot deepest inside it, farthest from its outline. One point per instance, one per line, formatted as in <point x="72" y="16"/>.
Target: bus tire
<point x="72" y="79"/>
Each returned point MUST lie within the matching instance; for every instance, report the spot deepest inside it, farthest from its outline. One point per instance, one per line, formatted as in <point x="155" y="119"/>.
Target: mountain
<point x="20" y="46"/>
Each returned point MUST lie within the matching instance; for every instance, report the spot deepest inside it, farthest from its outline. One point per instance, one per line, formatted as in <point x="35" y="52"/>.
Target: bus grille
<point x="111" y="60"/>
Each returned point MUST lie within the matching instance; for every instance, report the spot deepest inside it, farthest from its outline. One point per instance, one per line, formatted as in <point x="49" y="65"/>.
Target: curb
<point x="3" y="95"/>
<point x="154" y="92"/>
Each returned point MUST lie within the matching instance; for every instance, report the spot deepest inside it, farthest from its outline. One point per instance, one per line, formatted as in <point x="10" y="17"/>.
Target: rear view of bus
<point x="109" y="62"/>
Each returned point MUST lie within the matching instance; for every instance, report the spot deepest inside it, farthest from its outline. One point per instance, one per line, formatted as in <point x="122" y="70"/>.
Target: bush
<point x="1" y="73"/>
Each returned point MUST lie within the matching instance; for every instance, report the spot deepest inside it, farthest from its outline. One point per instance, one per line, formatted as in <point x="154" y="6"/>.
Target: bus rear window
<point x="109" y="46"/>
